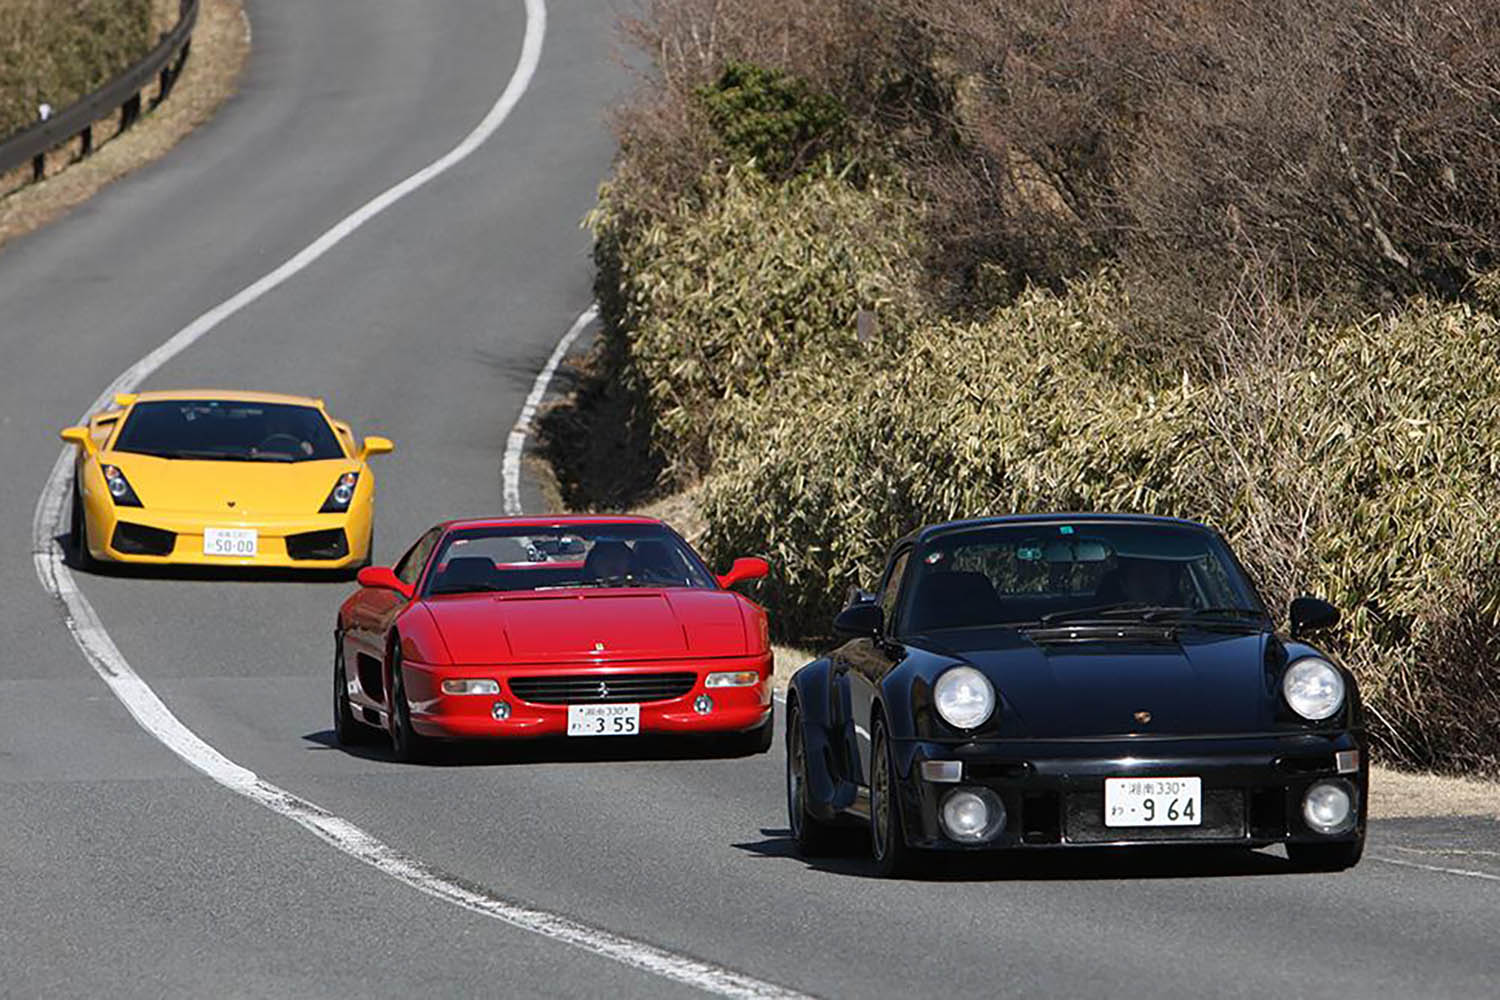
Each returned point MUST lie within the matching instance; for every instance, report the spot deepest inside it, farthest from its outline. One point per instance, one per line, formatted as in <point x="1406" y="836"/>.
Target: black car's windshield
<point x="1049" y="573"/>
<point x="228" y="431"/>
<point x="530" y="558"/>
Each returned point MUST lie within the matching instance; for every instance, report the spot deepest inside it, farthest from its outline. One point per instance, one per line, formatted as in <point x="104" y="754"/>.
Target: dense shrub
<point x="714" y="304"/>
<point x="1359" y="464"/>
<point x="55" y="51"/>
<point x="771" y="119"/>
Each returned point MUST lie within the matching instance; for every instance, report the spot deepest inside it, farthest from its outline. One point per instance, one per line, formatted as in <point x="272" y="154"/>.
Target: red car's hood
<point x="591" y="626"/>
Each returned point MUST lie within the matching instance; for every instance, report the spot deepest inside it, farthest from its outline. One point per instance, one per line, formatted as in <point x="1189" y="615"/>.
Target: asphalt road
<point x="122" y="870"/>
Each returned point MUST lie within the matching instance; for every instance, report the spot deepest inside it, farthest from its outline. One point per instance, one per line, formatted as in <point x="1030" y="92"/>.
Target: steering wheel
<point x="296" y="442"/>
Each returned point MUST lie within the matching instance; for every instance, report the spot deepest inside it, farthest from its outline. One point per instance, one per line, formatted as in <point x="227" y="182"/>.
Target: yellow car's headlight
<point x="341" y="495"/>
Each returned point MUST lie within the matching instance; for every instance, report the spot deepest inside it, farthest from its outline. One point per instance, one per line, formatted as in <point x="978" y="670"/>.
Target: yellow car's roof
<point x="228" y="396"/>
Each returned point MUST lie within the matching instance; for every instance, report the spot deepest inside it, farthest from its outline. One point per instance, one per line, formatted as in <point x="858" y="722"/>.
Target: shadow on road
<point x="542" y="751"/>
<point x="1078" y="864"/>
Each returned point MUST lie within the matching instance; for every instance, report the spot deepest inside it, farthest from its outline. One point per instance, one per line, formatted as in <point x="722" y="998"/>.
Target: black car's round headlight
<point x="964" y="697"/>
<point x="1314" y="688"/>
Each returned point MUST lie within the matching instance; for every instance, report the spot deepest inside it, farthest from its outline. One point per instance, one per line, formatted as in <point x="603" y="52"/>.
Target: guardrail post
<point x="130" y="111"/>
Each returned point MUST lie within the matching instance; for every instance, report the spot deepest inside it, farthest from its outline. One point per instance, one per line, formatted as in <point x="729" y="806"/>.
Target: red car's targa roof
<point x="547" y="521"/>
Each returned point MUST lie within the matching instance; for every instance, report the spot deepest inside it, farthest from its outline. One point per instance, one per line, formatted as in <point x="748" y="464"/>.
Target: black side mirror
<point x="1312" y="614"/>
<point x="859" y="621"/>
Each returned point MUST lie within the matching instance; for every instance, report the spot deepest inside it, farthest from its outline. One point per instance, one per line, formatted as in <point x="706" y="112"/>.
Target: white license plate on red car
<point x="1153" y="801"/>
<point x="231" y="542"/>
<point x="604" y="720"/>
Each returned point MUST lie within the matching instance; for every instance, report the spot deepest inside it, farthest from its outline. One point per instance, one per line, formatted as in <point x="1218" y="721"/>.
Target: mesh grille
<point x="595" y="689"/>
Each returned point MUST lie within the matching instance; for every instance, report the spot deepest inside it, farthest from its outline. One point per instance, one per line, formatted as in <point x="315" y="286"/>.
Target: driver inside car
<point x="608" y="560"/>
<point x="1142" y="581"/>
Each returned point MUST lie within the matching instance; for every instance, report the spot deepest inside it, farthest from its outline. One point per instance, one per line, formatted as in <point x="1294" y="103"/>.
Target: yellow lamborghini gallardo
<point x="222" y="479"/>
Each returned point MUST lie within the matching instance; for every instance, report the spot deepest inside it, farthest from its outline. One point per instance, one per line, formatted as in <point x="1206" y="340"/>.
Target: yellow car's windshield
<point x="220" y="430"/>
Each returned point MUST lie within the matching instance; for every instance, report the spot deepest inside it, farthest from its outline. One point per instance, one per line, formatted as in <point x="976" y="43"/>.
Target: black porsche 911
<point x="1055" y="682"/>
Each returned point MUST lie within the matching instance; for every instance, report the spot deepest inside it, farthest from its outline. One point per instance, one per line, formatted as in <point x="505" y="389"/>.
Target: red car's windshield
<point x="516" y="558"/>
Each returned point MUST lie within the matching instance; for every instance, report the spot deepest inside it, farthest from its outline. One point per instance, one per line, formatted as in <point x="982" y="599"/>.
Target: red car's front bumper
<point x="474" y="717"/>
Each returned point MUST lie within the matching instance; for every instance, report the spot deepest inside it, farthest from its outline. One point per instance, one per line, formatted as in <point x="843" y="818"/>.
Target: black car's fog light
<point x="1328" y="807"/>
<point x="972" y="815"/>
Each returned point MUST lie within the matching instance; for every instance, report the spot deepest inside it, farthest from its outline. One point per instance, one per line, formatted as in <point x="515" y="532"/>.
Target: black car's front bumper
<point x="1053" y="791"/>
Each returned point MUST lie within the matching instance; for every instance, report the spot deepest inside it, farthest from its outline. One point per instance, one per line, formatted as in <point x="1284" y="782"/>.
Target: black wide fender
<point x="829" y="791"/>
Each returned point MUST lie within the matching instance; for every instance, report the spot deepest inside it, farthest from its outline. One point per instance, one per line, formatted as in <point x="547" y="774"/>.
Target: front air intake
<point x="330" y="544"/>
<point x="139" y="540"/>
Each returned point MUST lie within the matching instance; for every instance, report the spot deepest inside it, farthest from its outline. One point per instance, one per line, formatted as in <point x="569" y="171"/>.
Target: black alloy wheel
<point x="811" y="835"/>
<point x="1326" y="857"/>
<point x="893" y="857"/>
<point x="348" y="730"/>
<point x="409" y="746"/>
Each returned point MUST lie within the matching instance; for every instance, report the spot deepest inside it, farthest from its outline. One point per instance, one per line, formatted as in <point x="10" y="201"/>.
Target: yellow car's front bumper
<point x="158" y="537"/>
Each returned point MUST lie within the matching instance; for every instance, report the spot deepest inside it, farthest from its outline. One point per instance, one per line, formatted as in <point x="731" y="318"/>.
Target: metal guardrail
<point x="164" y="62"/>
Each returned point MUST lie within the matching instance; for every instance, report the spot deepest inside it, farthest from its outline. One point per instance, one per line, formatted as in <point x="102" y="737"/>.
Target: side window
<point x="409" y="568"/>
<point x="891" y="590"/>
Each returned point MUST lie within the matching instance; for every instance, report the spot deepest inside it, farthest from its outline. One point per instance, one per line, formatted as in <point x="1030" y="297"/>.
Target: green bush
<point x="56" y="51"/>
<point x="717" y="304"/>
<point x="1359" y="465"/>
<point x="772" y="119"/>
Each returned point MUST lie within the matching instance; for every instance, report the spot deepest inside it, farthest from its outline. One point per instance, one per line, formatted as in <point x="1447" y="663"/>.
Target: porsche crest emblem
<point x="1143" y="717"/>
<point x="598" y="647"/>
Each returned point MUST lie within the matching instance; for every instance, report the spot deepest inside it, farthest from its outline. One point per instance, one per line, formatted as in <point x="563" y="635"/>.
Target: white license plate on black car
<point x="604" y="720"/>
<point x="231" y="542"/>
<point x="1153" y="801"/>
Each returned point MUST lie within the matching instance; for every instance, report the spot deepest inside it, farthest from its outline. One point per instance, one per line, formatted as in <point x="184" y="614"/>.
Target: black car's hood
<point x="1198" y="682"/>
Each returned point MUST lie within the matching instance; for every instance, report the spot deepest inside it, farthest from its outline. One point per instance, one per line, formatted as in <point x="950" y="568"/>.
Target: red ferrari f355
<point x="507" y="628"/>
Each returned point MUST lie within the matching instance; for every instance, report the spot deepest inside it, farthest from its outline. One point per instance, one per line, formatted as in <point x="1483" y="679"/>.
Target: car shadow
<point x="1077" y="864"/>
<point x="539" y="751"/>
<point x="237" y="574"/>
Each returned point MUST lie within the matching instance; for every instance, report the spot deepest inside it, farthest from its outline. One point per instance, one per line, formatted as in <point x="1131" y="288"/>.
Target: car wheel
<point x="811" y="835"/>
<point x="78" y="536"/>
<point x="409" y="746"/>
<point x="1326" y="857"/>
<point x="346" y="728"/>
<point x="888" y="845"/>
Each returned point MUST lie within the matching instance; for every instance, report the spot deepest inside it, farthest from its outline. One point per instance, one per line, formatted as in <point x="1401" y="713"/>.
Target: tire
<point x="811" y="836"/>
<point x="408" y="745"/>
<point x="893" y="856"/>
<point x="347" y="730"/>
<point x="1326" y="857"/>
<point x="78" y="535"/>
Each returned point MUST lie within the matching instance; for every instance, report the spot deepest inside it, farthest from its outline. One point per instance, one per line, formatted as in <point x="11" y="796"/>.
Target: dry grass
<point x="221" y="43"/>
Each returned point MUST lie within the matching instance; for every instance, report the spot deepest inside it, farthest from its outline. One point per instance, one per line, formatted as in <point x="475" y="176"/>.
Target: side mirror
<point x="859" y="621"/>
<point x="124" y="399"/>
<point x="377" y="446"/>
<point x="383" y="578"/>
<point x="746" y="568"/>
<point x="1312" y="614"/>
<point x="79" y="436"/>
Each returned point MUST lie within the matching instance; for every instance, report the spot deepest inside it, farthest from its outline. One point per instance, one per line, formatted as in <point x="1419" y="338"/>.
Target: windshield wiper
<point x="1118" y="610"/>
<point x="1177" y="614"/>
<point x="477" y="588"/>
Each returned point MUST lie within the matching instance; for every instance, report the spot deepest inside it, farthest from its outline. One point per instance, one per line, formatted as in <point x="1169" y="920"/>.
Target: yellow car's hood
<point x="245" y="487"/>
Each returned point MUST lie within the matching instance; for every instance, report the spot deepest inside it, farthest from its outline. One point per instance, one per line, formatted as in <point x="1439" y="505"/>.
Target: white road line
<point x="153" y="715"/>
<point x="1465" y="872"/>
<point x="515" y="446"/>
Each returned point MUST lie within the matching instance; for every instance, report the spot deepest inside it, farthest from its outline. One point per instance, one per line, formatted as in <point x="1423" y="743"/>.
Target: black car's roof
<point x="930" y="531"/>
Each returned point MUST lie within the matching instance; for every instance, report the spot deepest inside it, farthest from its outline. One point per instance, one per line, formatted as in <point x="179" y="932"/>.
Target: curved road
<point x="123" y="870"/>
